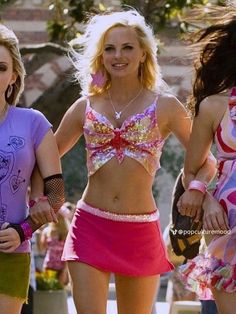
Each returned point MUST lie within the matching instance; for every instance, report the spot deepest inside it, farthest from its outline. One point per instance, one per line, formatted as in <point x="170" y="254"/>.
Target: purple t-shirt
<point x="21" y="132"/>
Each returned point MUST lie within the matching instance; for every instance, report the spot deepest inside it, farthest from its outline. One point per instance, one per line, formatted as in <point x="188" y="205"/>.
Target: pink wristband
<point x="36" y="200"/>
<point x="27" y="230"/>
<point x="197" y="185"/>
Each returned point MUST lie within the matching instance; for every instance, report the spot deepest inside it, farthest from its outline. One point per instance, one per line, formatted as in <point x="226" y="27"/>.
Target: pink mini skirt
<point x="123" y="244"/>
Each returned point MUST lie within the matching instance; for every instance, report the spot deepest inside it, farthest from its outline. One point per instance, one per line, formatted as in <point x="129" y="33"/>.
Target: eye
<point x="3" y="67"/>
<point x="128" y="47"/>
<point x="109" y="48"/>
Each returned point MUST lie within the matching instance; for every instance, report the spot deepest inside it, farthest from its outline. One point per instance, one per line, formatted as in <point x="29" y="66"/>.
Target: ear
<point x="13" y="78"/>
<point x="143" y="58"/>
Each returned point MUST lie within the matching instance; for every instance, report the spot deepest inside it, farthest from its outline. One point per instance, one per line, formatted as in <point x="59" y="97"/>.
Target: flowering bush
<point x="47" y="280"/>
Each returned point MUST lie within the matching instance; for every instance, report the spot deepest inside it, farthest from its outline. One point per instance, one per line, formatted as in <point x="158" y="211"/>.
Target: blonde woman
<point x="125" y="114"/>
<point x="52" y="240"/>
<point x="25" y="138"/>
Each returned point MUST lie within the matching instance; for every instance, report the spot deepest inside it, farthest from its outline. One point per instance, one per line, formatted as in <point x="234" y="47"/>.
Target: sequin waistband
<point x="118" y="217"/>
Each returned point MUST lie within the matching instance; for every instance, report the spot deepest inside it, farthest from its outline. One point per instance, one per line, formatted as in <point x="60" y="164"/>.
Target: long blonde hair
<point x="9" y="40"/>
<point x="87" y="58"/>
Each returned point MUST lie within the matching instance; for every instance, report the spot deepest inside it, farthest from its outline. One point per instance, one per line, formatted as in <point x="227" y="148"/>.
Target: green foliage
<point x="66" y="14"/>
<point x="78" y="9"/>
<point x="47" y="280"/>
<point x="59" y="26"/>
<point x="158" y="13"/>
<point x="161" y="13"/>
<point x="57" y="30"/>
<point x="5" y="2"/>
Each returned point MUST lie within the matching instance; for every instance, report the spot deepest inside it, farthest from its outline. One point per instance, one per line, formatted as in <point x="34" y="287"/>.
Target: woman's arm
<point x="198" y="151"/>
<point x="68" y="133"/>
<point x="71" y="127"/>
<point x="47" y="188"/>
<point x="179" y="124"/>
<point x="190" y="203"/>
<point x="200" y="142"/>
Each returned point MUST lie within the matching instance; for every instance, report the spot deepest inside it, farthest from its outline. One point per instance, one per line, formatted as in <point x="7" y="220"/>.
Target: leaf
<point x="102" y="7"/>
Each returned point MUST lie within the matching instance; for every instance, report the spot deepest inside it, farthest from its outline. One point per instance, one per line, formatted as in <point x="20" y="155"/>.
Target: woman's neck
<point x="123" y="89"/>
<point x="3" y="110"/>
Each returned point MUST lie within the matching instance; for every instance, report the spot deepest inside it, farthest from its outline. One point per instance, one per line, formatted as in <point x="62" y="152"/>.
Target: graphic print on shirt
<point x="6" y="165"/>
<point x="16" y="142"/>
<point x="15" y="182"/>
<point x="7" y="162"/>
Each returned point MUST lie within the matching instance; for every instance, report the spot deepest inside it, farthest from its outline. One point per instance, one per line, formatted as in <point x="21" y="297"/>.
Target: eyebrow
<point x="122" y="44"/>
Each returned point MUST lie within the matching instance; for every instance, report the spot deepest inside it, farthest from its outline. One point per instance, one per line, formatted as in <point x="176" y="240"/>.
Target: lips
<point x="119" y="65"/>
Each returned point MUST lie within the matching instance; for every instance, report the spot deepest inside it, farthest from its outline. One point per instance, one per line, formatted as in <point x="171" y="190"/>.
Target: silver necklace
<point x="119" y="113"/>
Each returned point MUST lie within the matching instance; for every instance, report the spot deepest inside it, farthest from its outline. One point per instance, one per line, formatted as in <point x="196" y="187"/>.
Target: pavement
<point x="71" y="306"/>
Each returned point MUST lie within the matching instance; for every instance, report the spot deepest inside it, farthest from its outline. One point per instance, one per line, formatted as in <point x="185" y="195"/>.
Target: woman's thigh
<point x="136" y="294"/>
<point x="226" y="302"/>
<point x="89" y="288"/>
<point x="10" y="305"/>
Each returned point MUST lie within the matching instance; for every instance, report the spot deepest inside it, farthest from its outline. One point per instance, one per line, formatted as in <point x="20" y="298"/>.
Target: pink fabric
<point x="122" y="247"/>
<point x="118" y="217"/>
<point x="138" y="138"/>
<point x="52" y="258"/>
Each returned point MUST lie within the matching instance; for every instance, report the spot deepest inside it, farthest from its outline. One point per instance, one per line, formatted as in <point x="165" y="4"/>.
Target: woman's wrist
<point x="18" y="229"/>
<point x="35" y="200"/>
<point x="207" y="200"/>
<point x="23" y="229"/>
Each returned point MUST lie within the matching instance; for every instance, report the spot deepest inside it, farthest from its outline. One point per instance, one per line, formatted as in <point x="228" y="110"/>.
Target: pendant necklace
<point x="119" y="113"/>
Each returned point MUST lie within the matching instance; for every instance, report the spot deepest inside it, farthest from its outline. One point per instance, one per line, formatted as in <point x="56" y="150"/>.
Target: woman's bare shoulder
<point x="169" y="107"/>
<point x="169" y="101"/>
<point x="76" y="112"/>
<point x="79" y="104"/>
<point x="214" y="104"/>
<point x="77" y="109"/>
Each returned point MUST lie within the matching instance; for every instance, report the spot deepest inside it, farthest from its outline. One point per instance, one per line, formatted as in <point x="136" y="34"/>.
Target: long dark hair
<point x="215" y="64"/>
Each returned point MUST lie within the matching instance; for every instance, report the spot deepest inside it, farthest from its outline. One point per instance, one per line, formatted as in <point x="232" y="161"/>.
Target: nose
<point x="118" y="53"/>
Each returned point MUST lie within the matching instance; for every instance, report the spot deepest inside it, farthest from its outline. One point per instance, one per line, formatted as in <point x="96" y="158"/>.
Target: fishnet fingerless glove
<point x="54" y="190"/>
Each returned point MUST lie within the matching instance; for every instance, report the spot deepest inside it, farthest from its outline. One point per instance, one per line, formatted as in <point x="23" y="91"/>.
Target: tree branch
<point x="42" y="48"/>
<point x="42" y="53"/>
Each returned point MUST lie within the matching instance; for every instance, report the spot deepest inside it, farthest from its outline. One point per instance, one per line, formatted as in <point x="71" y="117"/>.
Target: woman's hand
<point x="214" y="217"/>
<point x="9" y="239"/>
<point x="41" y="212"/>
<point x="190" y="204"/>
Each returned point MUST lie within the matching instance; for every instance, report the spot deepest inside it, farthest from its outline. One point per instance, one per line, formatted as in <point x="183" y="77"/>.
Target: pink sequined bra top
<point x="138" y="138"/>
